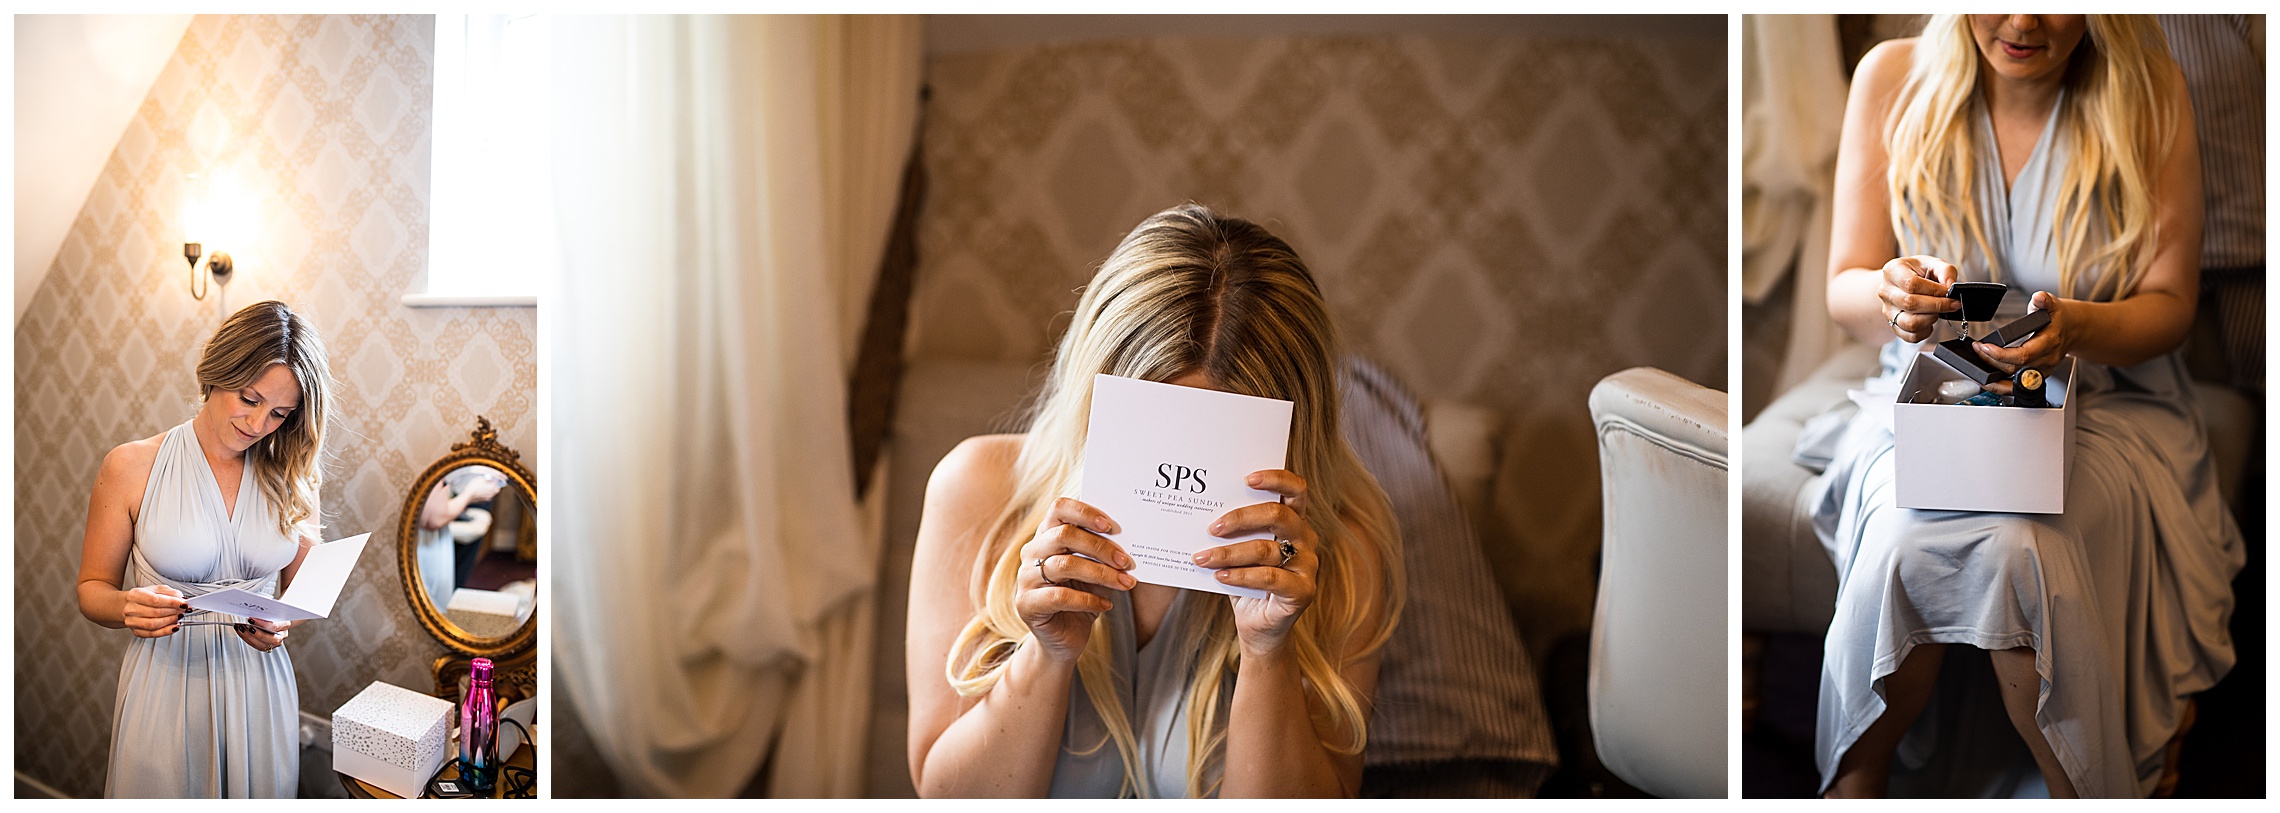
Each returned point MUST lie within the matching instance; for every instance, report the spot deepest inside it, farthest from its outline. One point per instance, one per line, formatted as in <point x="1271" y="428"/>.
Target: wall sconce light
<point x="217" y="264"/>
<point x="210" y="215"/>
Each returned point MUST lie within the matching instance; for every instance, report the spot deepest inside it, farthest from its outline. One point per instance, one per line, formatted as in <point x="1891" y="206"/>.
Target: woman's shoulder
<point x="134" y="456"/>
<point x="978" y="461"/>
<point x="126" y="468"/>
<point x="973" y="481"/>
<point x="1885" y="66"/>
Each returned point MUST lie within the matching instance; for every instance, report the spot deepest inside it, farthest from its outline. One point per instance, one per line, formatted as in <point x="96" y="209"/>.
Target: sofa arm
<point x="1658" y="633"/>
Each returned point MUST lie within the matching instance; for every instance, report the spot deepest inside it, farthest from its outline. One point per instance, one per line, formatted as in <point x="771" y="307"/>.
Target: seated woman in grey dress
<point x="2056" y="154"/>
<point x="1037" y="672"/>
<point x="207" y="706"/>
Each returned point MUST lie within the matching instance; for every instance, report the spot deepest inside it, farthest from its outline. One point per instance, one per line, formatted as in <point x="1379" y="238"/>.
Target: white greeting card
<point x="324" y="570"/>
<point x="1164" y="461"/>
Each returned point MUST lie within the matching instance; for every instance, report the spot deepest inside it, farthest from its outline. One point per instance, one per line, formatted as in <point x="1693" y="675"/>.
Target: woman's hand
<point x="2041" y="351"/>
<point x="1057" y="589"/>
<point x="1262" y="624"/>
<point x="153" y="612"/>
<point x="263" y="635"/>
<point x="483" y="489"/>
<point x="1914" y="292"/>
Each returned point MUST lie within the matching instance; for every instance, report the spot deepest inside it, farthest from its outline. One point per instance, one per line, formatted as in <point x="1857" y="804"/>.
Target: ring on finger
<point x="1895" y="320"/>
<point x="1041" y="571"/>
<point x="1289" y="550"/>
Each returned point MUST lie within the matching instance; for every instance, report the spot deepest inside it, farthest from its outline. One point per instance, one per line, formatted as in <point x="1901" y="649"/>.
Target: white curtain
<point x="724" y="186"/>
<point x="1793" y="109"/>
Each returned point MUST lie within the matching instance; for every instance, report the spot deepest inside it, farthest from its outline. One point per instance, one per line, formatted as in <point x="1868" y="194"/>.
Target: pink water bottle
<point x="479" y="729"/>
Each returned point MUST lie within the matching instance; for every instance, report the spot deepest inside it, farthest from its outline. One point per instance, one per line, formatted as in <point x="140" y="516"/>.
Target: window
<point x="491" y="237"/>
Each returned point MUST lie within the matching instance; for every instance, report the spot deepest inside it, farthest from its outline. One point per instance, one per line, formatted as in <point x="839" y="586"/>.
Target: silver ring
<point x="1041" y="571"/>
<point x="1895" y="320"/>
<point x="1288" y="550"/>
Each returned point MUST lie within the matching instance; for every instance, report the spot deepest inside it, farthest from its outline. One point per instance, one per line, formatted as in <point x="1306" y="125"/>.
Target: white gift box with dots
<point x="392" y="737"/>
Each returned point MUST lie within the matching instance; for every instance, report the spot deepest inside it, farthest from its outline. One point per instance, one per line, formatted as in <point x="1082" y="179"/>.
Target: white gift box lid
<point x="396" y="725"/>
<point x="485" y="613"/>
<point x="487" y="602"/>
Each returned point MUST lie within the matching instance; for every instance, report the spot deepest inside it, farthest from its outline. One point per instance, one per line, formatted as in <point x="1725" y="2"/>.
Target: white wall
<point x="79" y="78"/>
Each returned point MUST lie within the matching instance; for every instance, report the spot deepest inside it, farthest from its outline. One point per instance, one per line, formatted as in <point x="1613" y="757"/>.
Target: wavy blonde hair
<point x="1190" y="290"/>
<point x="2114" y="114"/>
<point x="262" y="335"/>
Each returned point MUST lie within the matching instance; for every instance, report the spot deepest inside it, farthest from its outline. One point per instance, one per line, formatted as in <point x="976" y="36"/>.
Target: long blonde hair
<point x="2114" y="114"/>
<point x="286" y="460"/>
<point x="1190" y="290"/>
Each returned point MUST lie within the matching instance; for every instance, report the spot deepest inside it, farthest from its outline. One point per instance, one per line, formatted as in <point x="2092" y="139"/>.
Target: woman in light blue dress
<point x="207" y="706"/>
<point x="2055" y="154"/>
<point x="1039" y="666"/>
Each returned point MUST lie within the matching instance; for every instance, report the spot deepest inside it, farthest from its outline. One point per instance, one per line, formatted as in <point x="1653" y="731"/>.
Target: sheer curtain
<point x="724" y="187"/>
<point x="1793" y="109"/>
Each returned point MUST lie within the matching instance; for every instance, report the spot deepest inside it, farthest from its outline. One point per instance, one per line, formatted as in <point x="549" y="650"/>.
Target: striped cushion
<point x="1454" y="684"/>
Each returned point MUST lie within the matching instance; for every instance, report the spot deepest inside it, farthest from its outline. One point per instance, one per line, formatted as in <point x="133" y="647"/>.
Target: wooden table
<point x="524" y="757"/>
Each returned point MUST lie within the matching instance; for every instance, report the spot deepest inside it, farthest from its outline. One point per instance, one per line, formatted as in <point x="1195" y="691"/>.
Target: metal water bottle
<point x="479" y="729"/>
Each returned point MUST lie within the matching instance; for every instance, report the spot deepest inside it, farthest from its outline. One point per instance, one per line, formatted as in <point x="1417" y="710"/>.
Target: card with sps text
<point x="1164" y="461"/>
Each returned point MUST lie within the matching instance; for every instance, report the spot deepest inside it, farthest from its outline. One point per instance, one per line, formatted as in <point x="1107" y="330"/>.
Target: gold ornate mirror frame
<point x="482" y="448"/>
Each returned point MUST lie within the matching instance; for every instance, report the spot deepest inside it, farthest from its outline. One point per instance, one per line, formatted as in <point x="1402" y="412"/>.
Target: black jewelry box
<point x="1964" y="358"/>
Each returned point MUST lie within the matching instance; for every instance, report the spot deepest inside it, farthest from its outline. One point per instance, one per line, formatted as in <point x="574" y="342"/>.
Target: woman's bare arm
<point x="441" y="508"/>
<point x="1273" y="749"/>
<point x="1860" y="238"/>
<point x="1004" y="743"/>
<point x="107" y="542"/>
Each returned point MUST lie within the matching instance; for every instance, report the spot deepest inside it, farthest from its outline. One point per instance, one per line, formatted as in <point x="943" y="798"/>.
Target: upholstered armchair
<point x="1658" y="635"/>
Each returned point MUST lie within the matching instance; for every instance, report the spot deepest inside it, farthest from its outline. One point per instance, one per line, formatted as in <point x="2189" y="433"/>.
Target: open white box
<point x="1979" y="458"/>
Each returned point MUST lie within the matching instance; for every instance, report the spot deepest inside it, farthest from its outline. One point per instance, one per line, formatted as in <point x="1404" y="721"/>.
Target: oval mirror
<point x="467" y="545"/>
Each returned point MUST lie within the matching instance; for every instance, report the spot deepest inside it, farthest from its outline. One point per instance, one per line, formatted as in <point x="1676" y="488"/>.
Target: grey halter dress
<point x="1152" y="688"/>
<point x="201" y="713"/>
<point x="2124" y="598"/>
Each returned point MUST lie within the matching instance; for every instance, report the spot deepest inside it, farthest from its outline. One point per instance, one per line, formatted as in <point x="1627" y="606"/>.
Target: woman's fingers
<point x="1040" y="604"/>
<point x="160" y="597"/>
<point x="1915" y="290"/>
<point x="1915" y="303"/>
<point x="151" y="612"/>
<point x="1926" y="267"/>
<point x="1060" y="539"/>
<point x="1069" y="511"/>
<point x="1915" y="327"/>
<point x="1941" y="271"/>
<point x="1267" y="517"/>
<point x="2040" y="351"/>
<point x="1288" y="484"/>
<point x="1066" y="568"/>
<point x="1914" y="293"/>
<point x="1258" y="553"/>
<point x="259" y="639"/>
<point x="1295" y="587"/>
<point x="1247" y="553"/>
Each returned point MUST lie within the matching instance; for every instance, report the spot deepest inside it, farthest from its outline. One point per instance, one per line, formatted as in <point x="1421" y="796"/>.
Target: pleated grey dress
<point x="2124" y="598"/>
<point x="201" y="713"/>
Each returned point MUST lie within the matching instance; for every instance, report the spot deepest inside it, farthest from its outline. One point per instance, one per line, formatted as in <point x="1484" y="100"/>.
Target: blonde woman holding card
<point x="207" y="706"/>
<point x="2054" y="153"/>
<point x="1037" y="671"/>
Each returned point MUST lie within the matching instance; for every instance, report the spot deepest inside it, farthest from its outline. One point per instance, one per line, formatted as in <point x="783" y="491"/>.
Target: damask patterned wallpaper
<point x="326" y="121"/>
<point x="1500" y="221"/>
